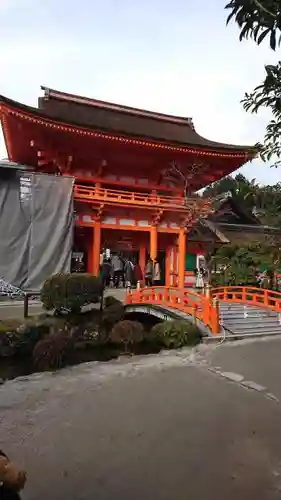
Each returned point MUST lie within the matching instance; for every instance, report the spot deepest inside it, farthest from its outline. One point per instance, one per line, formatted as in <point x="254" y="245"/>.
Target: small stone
<point x="235" y="377"/>
<point x="252" y="385"/>
<point x="269" y="395"/>
<point x="1" y="381"/>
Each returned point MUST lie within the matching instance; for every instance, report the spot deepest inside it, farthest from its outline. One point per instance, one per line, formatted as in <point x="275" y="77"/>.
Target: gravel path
<point x="158" y="427"/>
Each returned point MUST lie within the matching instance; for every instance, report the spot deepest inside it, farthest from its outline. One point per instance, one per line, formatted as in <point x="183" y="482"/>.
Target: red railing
<point x="90" y="194"/>
<point x="206" y="309"/>
<point x="260" y="297"/>
<point x="199" y="306"/>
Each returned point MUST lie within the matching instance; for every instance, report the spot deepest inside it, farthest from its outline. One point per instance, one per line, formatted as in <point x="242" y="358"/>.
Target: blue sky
<point x="173" y="57"/>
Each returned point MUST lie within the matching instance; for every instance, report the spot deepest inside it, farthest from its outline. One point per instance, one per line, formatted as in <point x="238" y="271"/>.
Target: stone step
<point x="252" y="333"/>
<point x="247" y="327"/>
<point x="245" y="319"/>
<point x="242" y="319"/>
<point x="239" y="320"/>
<point x="250" y="314"/>
<point x="249" y="310"/>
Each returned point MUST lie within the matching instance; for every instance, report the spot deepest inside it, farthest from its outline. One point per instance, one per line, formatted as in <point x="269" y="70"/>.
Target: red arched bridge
<point x="206" y="308"/>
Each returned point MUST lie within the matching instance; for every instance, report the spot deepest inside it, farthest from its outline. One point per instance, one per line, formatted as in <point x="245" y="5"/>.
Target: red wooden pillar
<point x="182" y="247"/>
<point x="153" y="242"/>
<point x="90" y="254"/>
<point x="174" y="259"/>
<point x="96" y="248"/>
<point x="142" y="256"/>
<point x="168" y="267"/>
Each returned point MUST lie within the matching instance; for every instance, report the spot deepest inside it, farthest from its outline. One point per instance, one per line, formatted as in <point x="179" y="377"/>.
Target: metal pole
<point x="25" y="305"/>
<point x="101" y="299"/>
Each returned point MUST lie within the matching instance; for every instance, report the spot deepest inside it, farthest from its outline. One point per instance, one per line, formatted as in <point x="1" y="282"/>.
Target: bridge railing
<point x="259" y="297"/>
<point x="199" y="306"/>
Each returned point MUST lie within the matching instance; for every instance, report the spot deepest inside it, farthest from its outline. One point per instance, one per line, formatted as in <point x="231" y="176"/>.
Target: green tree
<point x="239" y="187"/>
<point x="239" y="265"/>
<point x="261" y="20"/>
<point x="265" y="201"/>
<point x="268" y="201"/>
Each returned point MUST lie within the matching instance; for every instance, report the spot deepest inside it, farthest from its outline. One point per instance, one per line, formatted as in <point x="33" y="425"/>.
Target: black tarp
<point x="36" y="227"/>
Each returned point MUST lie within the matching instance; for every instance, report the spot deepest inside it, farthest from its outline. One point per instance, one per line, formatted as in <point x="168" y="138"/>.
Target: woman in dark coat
<point x="138" y="274"/>
<point x="106" y="269"/>
<point x="128" y="273"/>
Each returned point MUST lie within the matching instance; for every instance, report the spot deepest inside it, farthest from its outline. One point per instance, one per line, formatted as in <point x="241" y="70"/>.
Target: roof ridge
<point x="65" y="96"/>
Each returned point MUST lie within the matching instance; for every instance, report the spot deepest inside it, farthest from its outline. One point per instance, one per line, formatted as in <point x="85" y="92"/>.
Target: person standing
<point x="148" y="272"/>
<point x="128" y="273"/>
<point x="101" y="258"/>
<point x="138" y="275"/>
<point x="156" y="273"/>
<point x="199" y="278"/>
<point x="106" y="272"/>
<point x="118" y="268"/>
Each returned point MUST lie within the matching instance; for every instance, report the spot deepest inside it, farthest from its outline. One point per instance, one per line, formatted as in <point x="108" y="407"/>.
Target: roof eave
<point x="247" y="151"/>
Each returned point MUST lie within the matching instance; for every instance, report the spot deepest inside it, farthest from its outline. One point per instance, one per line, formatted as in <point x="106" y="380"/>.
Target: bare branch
<point x="261" y="7"/>
<point x="175" y="173"/>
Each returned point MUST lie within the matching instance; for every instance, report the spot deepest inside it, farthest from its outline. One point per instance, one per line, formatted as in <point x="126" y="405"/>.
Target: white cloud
<point x="4" y="3"/>
<point x="30" y="53"/>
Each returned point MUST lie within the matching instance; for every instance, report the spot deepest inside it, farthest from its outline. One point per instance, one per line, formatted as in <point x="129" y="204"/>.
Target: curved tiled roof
<point x="169" y="137"/>
<point x="124" y="120"/>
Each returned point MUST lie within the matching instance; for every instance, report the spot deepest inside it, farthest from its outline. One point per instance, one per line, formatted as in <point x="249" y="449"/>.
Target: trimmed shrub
<point x="18" y="338"/>
<point x="54" y="351"/>
<point x="110" y="300"/>
<point x="87" y="325"/>
<point x="175" y="334"/>
<point x="9" y="325"/>
<point x="127" y="332"/>
<point x="8" y="342"/>
<point x="70" y="292"/>
<point x="111" y="315"/>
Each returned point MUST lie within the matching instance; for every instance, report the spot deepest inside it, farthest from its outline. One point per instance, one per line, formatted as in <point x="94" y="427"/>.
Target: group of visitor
<point x="116" y="271"/>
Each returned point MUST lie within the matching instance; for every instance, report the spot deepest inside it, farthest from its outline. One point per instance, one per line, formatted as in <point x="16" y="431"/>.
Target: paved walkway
<point x="14" y="308"/>
<point x="163" y="427"/>
<point x="250" y="361"/>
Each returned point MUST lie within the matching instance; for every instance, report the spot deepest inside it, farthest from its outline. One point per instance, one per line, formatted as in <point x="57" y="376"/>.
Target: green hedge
<point x="110" y="300"/>
<point x="175" y="334"/>
<point x="19" y="339"/>
<point x="127" y="332"/>
<point x="54" y="350"/>
<point x="70" y="291"/>
<point x="111" y="315"/>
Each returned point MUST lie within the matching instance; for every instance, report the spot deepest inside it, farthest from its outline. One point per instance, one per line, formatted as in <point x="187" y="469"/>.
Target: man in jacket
<point x="156" y="273"/>
<point x="148" y="272"/>
<point x="118" y="270"/>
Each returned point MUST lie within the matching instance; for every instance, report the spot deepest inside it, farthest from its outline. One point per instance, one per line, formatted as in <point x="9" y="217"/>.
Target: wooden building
<point x="135" y="174"/>
<point x="230" y="224"/>
<point x="240" y="225"/>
